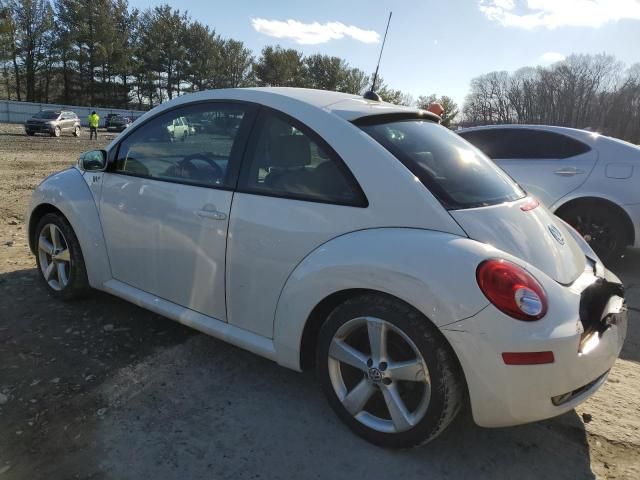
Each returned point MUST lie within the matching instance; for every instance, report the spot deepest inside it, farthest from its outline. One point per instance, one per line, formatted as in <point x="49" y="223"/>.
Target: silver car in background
<point x="589" y="180"/>
<point x="53" y="123"/>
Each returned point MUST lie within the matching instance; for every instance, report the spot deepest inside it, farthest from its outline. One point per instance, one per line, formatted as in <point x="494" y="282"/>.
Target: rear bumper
<point x="504" y="395"/>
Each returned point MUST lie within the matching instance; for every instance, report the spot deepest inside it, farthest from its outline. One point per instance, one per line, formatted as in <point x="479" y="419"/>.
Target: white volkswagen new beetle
<point x="360" y="238"/>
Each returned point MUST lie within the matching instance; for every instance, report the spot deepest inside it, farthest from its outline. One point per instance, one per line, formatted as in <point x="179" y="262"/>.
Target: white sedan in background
<point x="589" y="180"/>
<point x="359" y="238"/>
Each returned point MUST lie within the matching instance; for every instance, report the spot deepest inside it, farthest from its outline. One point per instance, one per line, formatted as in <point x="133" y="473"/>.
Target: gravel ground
<point x="101" y="389"/>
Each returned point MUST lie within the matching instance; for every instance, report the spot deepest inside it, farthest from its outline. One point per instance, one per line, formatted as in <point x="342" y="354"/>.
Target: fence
<point x="19" y="112"/>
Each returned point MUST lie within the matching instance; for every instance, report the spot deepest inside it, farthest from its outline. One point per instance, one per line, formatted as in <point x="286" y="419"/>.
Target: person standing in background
<point x="94" y="121"/>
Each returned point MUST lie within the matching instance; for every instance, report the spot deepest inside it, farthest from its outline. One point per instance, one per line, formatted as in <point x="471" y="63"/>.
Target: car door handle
<point x="568" y="171"/>
<point x="213" y="214"/>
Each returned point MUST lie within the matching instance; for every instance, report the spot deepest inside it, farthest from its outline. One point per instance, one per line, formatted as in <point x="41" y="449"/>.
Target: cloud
<point x="530" y="14"/>
<point x="312" y="33"/>
<point x="552" y="57"/>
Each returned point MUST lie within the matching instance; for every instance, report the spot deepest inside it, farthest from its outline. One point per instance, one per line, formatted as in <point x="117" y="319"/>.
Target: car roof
<point x="344" y="105"/>
<point x="584" y="135"/>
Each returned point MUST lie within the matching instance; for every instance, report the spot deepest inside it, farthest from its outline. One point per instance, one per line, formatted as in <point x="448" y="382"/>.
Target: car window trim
<point x="235" y="156"/>
<point x="242" y="183"/>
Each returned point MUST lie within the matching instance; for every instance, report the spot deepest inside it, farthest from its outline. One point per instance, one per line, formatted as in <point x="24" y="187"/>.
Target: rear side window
<point x="287" y="159"/>
<point x="520" y="143"/>
<point x="459" y="176"/>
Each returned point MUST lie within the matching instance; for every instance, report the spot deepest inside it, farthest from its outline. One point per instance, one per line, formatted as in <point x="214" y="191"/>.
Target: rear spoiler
<point x="395" y="117"/>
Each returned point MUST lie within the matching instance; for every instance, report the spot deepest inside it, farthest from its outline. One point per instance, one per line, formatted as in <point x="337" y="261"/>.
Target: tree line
<point x="104" y="53"/>
<point x="595" y="92"/>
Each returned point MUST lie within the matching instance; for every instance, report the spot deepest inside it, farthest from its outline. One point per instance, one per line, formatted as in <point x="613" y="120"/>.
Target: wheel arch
<point x="595" y="200"/>
<point x="406" y="264"/>
<point x="38" y="212"/>
<point x="318" y="316"/>
<point x="67" y="194"/>
<point x="321" y="311"/>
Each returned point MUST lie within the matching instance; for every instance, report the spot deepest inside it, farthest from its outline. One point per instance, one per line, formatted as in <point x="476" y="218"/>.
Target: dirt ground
<point x="101" y="389"/>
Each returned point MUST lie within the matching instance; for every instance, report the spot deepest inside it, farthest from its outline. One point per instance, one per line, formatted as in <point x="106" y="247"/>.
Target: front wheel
<point x="59" y="258"/>
<point x="56" y="132"/>
<point x="387" y="372"/>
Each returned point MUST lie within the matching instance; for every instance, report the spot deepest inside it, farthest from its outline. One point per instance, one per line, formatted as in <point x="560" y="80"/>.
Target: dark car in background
<point x="118" y="123"/>
<point x="108" y="119"/>
<point x="53" y="123"/>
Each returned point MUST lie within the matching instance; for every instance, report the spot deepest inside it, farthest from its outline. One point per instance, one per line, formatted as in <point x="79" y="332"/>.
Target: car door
<point x="165" y="207"/>
<point x="294" y="194"/>
<point x="549" y="165"/>
<point x="64" y="122"/>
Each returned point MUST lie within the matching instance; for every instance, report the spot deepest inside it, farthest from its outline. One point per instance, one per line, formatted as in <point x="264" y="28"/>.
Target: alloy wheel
<point x="596" y="232"/>
<point x="379" y="375"/>
<point x="54" y="256"/>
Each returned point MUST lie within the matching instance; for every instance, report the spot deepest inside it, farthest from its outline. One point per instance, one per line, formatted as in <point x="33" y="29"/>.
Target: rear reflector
<point x="530" y="204"/>
<point x="527" y="358"/>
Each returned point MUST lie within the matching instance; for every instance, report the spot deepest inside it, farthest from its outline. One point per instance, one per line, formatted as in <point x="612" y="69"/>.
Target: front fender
<point x="68" y="192"/>
<point x="434" y="272"/>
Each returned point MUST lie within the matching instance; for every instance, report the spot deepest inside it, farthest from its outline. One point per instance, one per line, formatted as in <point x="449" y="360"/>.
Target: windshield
<point x="47" y="114"/>
<point x="457" y="173"/>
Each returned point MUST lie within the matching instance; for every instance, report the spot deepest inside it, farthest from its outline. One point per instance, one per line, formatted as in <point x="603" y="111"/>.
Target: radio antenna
<point x="371" y="94"/>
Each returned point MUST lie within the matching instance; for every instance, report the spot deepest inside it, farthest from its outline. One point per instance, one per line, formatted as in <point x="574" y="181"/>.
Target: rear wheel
<point x="30" y="133"/>
<point x="59" y="258"/>
<point x="387" y="372"/>
<point x="603" y="228"/>
<point x="76" y="131"/>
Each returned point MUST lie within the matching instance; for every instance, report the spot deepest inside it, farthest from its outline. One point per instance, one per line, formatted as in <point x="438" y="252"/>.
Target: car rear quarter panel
<point x="68" y="192"/>
<point x="432" y="271"/>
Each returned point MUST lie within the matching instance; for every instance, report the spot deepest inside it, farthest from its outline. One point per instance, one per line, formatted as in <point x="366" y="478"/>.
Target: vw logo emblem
<point x="375" y="375"/>
<point x="555" y="233"/>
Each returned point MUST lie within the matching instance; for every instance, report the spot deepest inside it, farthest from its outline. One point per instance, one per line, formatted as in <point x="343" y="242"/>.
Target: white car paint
<point x="609" y="171"/>
<point x="142" y="241"/>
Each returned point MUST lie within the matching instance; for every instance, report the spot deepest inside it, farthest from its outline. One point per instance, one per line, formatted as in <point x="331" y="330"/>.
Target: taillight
<point x="512" y="289"/>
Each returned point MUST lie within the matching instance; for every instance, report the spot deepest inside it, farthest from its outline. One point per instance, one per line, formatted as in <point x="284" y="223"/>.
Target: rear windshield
<point x="458" y="174"/>
<point x="47" y="114"/>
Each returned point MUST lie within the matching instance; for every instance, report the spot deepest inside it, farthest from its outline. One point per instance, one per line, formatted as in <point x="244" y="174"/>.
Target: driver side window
<point x="192" y="144"/>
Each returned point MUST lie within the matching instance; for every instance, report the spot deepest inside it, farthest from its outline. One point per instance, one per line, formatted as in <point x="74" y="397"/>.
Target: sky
<point x="433" y="46"/>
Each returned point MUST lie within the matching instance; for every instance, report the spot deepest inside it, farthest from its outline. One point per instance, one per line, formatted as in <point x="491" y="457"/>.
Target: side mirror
<point x="93" y="161"/>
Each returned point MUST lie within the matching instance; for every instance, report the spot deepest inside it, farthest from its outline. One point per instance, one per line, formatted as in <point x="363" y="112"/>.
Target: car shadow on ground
<point x="219" y="412"/>
<point x="627" y="268"/>
<point x="54" y="354"/>
<point x="103" y="389"/>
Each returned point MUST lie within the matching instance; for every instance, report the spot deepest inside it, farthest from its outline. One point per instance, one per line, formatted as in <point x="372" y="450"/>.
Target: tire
<point x="31" y="134"/>
<point x="602" y="227"/>
<point x="68" y="275"/>
<point x="431" y="399"/>
<point x="56" y="132"/>
<point x="76" y="131"/>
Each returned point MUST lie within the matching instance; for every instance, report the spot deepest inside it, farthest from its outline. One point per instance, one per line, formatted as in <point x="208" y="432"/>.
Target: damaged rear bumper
<point x="584" y="350"/>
